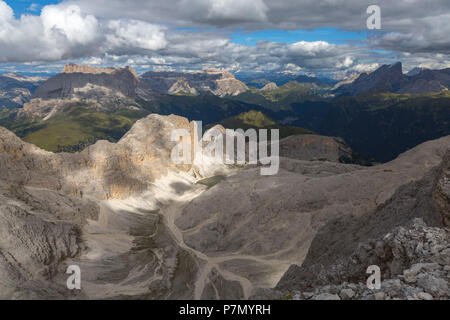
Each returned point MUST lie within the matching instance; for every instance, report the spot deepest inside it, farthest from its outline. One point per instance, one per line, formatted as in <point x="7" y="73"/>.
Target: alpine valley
<point x="87" y="180"/>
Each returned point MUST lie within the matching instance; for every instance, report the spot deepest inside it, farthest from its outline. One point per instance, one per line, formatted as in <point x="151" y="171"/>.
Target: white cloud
<point x="310" y="49"/>
<point x="6" y="13"/>
<point x="70" y="23"/>
<point x="66" y="32"/>
<point x="135" y="34"/>
<point x="365" y="67"/>
<point x="55" y="34"/>
<point x="347" y="62"/>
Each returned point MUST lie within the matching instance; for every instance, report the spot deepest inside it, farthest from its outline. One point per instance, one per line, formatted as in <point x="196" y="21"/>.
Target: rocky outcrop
<point x="47" y="200"/>
<point x="348" y="80"/>
<point x="104" y="170"/>
<point x="32" y="246"/>
<point x="279" y="220"/>
<point x="63" y="85"/>
<point x="225" y="84"/>
<point x="417" y="256"/>
<point x="269" y="86"/>
<point x="210" y="80"/>
<point x="74" y="77"/>
<point x="77" y="68"/>
<point x="393" y="236"/>
<point x="182" y="86"/>
<point x="15" y="90"/>
<point x="140" y="226"/>
<point x="315" y="147"/>
<point x="101" y="89"/>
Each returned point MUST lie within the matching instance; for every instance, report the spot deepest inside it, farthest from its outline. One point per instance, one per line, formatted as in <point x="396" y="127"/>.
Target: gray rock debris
<point x="426" y="279"/>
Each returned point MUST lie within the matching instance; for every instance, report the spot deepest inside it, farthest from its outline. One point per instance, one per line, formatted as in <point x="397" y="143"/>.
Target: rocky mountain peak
<point x="269" y="86"/>
<point x="222" y="74"/>
<point x="394" y="69"/>
<point x="78" y="68"/>
<point x="219" y="83"/>
<point x="182" y="86"/>
<point x="112" y="87"/>
<point x="386" y="78"/>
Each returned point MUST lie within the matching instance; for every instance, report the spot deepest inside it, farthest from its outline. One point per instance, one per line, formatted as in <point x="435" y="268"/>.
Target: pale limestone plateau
<point x="141" y="227"/>
<point x="111" y="89"/>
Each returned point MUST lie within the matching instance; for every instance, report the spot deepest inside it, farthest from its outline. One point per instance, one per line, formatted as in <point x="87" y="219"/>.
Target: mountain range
<point x="15" y="90"/>
<point x="390" y="78"/>
<point x="87" y="180"/>
<point x="377" y="113"/>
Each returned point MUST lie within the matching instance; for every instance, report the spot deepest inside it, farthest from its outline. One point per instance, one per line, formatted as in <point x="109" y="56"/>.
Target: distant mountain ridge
<point x="83" y="104"/>
<point x="390" y="78"/>
<point x="259" y="79"/>
<point x="210" y="80"/>
<point x="15" y="90"/>
<point x="75" y="77"/>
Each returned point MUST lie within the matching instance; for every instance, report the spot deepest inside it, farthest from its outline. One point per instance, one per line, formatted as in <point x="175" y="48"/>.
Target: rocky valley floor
<point x="140" y="227"/>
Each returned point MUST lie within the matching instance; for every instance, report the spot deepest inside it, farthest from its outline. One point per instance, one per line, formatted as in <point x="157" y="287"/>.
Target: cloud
<point x="423" y="22"/>
<point x="429" y="34"/>
<point x="66" y="32"/>
<point x="69" y="23"/>
<point x="34" y="7"/>
<point x="224" y="12"/>
<point x="55" y="34"/>
<point x="126" y="34"/>
<point x="193" y="34"/>
<point x="365" y="67"/>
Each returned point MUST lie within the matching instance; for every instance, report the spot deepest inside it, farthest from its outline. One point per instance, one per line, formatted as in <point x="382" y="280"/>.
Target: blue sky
<point x="28" y="6"/>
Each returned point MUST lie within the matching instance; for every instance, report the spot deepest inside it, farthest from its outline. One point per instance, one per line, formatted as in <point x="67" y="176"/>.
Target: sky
<point x="319" y="37"/>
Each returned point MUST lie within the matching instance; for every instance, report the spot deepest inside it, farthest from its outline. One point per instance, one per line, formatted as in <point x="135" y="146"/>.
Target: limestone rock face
<point x="269" y="86"/>
<point x="101" y="89"/>
<point x="420" y="255"/>
<point x="32" y="246"/>
<point x="140" y="226"/>
<point x="225" y="84"/>
<point x="74" y="77"/>
<point x="210" y="80"/>
<point x="15" y="90"/>
<point x="77" y="68"/>
<point x="284" y="217"/>
<point x="411" y="255"/>
<point x="104" y="170"/>
<point x="182" y="86"/>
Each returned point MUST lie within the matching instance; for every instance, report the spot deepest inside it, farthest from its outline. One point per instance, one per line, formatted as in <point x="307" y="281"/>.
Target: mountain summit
<point x="391" y="78"/>
<point x="217" y="82"/>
